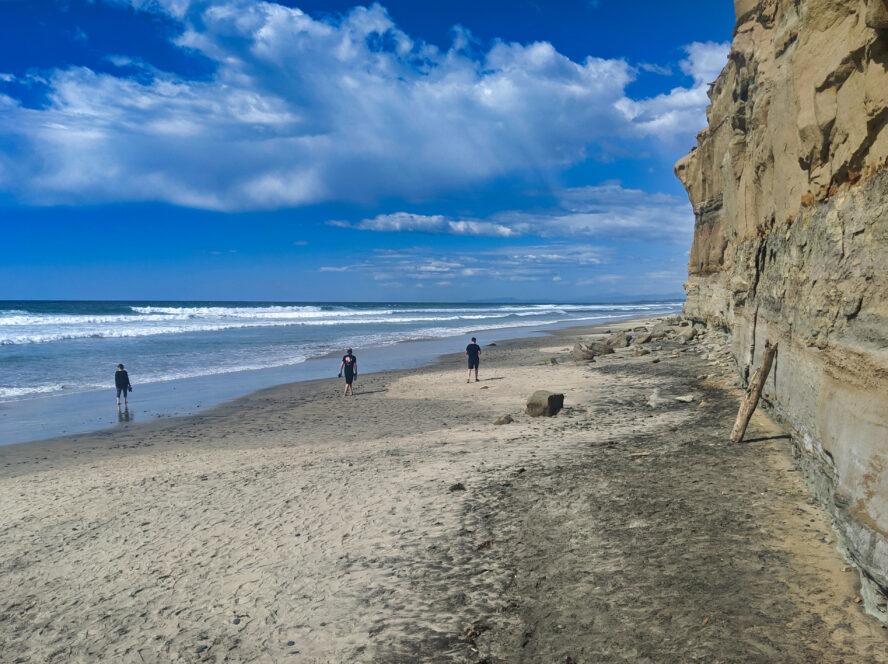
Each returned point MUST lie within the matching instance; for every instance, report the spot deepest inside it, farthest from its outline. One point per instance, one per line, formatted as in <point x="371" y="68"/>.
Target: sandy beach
<point x="403" y="525"/>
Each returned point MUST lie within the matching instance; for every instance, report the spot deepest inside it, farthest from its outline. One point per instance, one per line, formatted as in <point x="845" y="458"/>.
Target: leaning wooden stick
<point x="753" y="392"/>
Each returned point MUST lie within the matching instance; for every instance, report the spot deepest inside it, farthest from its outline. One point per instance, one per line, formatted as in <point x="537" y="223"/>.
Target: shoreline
<point x="404" y="525"/>
<point x="76" y="445"/>
<point x="43" y="418"/>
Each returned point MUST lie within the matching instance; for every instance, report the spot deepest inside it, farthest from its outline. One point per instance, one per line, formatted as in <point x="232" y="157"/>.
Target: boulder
<point x="662" y="330"/>
<point x="620" y="340"/>
<point x="544" y="403"/>
<point x="643" y="339"/>
<point x="587" y="351"/>
<point x="674" y="319"/>
<point x="687" y="333"/>
<point x="642" y="351"/>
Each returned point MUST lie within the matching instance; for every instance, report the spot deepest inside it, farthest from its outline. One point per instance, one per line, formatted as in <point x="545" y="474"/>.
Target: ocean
<point x="53" y="350"/>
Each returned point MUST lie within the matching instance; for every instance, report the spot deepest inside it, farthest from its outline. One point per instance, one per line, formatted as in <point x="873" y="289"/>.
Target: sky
<point x="332" y="151"/>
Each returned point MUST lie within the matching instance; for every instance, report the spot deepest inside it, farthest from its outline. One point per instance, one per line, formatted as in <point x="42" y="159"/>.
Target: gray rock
<point x="687" y="333"/>
<point x="544" y="403"/>
<point x="620" y="340"/>
<point x="588" y="350"/>
<point x="661" y="330"/>
<point x="642" y="351"/>
<point x="505" y="419"/>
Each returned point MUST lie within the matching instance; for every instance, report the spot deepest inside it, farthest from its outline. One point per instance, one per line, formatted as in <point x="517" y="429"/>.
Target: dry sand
<point x="402" y="525"/>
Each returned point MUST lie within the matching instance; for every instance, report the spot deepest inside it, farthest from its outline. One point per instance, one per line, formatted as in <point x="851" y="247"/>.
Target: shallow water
<point x="57" y="360"/>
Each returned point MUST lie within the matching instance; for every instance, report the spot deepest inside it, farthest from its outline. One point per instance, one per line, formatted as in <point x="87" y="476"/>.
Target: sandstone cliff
<point x="790" y="191"/>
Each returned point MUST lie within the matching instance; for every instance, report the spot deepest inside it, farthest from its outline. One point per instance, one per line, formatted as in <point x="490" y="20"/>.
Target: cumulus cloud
<point x="680" y="112"/>
<point x="705" y="61"/>
<point x="606" y="211"/>
<point x="301" y="110"/>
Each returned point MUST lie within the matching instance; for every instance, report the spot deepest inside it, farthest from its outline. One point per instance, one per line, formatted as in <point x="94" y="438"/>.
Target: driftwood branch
<point x="753" y="392"/>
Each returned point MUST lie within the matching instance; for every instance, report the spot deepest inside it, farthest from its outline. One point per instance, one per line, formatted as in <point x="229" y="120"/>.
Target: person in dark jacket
<point x="473" y="350"/>
<point x="122" y="383"/>
<point x="350" y="365"/>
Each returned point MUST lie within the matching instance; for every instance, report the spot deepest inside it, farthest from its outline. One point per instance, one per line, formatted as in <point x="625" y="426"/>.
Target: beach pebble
<point x="505" y="419"/>
<point x="457" y="487"/>
<point x="236" y="621"/>
<point x="200" y="649"/>
<point x="291" y="643"/>
<point x="655" y="399"/>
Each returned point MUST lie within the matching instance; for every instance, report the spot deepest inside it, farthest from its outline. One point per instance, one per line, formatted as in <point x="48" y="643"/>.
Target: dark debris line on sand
<point x="670" y="557"/>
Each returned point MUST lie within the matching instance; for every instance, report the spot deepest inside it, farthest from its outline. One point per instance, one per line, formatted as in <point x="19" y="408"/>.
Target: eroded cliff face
<point x="790" y="192"/>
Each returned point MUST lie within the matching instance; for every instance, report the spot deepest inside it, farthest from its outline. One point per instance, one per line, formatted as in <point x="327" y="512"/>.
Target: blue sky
<point x="225" y="149"/>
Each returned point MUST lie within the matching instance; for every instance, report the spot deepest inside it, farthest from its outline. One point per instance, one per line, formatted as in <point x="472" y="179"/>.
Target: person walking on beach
<point x="473" y="350"/>
<point x="350" y="366"/>
<point x="122" y="383"/>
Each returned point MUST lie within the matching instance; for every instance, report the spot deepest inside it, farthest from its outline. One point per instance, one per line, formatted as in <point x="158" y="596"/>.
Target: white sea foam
<point x="18" y="327"/>
<point x="39" y="347"/>
<point x="19" y="392"/>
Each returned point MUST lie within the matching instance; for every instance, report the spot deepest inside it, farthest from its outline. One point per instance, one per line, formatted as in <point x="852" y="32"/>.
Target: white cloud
<point x="681" y="112"/>
<point x="705" y="61"/>
<point x="604" y="211"/>
<point x="655" y="69"/>
<point x="301" y="110"/>
<point x="405" y="221"/>
<point x="429" y="266"/>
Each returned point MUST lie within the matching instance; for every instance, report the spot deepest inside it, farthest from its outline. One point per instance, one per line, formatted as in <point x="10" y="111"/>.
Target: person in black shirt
<point x="350" y="365"/>
<point x="122" y="383"/>
<point x="473" y="350"/>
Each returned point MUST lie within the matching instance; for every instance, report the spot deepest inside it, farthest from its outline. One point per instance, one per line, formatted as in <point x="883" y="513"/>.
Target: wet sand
<point x="402" y="525"/>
